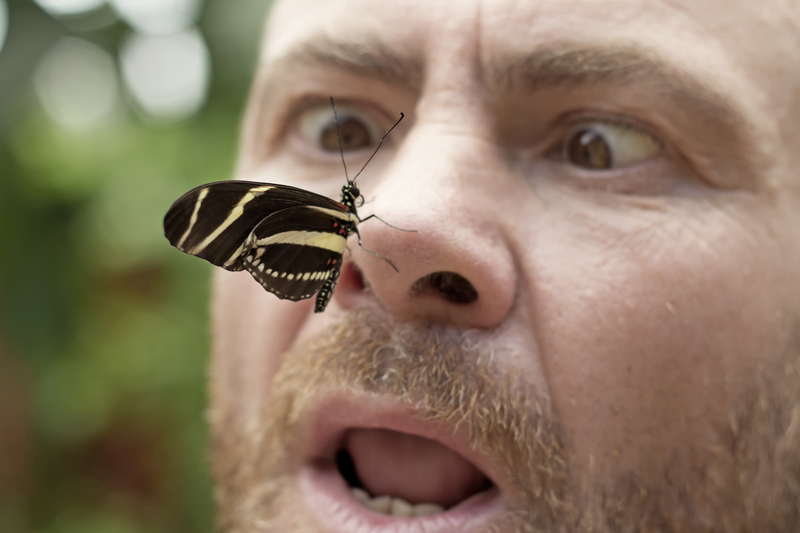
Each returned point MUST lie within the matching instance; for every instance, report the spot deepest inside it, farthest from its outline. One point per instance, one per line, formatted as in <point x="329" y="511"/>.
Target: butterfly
<point x="290" y="240"/>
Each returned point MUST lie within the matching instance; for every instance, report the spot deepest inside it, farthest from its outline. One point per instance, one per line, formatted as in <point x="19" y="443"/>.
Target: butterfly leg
<point x="376" y="254"/>
<point x="379" y="218"/>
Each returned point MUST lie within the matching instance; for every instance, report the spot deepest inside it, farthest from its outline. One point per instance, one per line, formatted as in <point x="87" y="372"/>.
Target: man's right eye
<point x="356" y="129"/>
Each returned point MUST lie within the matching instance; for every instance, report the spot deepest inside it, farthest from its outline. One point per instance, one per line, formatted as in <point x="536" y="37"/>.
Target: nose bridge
<point x="442" y="170"/>
<point x="457" y="266"/>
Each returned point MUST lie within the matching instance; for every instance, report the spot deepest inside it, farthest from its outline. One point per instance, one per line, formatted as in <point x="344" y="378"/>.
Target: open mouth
<point x="379" y="479"/>
<point x="405" y="475"/>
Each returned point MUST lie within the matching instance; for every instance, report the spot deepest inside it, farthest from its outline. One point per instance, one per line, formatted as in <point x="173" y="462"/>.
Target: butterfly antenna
<point x="339" y="138"/>
<point x="376" y="150"/>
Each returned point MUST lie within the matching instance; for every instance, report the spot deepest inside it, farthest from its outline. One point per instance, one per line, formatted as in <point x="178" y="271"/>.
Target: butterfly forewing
<point x="290" y="240"/>
<point x="295" y="251"/>
<point x="214" y="220"/>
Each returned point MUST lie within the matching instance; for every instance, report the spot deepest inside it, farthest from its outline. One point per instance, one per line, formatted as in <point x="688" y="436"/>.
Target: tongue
<point x="413" y="468"/>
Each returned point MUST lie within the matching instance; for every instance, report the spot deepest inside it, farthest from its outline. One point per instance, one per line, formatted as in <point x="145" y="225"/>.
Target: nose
<point x="456" y="268"/>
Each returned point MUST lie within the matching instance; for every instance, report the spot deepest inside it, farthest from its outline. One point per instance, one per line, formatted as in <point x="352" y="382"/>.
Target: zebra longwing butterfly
<point x="290" y="240"/>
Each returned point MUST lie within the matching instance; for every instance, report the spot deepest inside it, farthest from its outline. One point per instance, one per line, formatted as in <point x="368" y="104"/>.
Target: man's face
<point x="595" y="326"/>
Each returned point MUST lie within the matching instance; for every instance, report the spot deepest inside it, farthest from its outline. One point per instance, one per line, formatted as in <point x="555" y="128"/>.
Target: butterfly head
<point x="350" y="195"/>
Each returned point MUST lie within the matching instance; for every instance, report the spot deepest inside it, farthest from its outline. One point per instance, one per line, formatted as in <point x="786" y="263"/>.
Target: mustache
<point x="450" y="376"/>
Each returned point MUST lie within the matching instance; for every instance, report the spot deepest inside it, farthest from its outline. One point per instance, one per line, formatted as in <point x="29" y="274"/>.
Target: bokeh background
<point x="109" y="110"/>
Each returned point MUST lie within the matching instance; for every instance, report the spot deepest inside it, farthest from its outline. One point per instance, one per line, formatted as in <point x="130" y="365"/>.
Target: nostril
<point x="454" y="287"/>
<point x="351" y="278"/>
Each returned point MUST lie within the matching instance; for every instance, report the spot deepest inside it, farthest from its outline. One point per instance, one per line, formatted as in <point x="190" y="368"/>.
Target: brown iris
<point x="588" y="149"/>
<point x="353" y="132"/>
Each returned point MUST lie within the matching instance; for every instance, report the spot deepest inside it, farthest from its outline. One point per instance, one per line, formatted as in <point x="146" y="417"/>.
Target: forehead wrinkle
<point x="366" y="57"/>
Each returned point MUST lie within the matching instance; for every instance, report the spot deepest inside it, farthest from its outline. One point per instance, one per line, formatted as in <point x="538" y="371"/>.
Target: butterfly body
<point x="290" y="240"/>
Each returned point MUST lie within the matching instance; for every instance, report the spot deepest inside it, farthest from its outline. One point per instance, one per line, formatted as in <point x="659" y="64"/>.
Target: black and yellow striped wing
<point x="214" y="220"/>
<point x="290" y="240"/>
<point x="293" y="252"/>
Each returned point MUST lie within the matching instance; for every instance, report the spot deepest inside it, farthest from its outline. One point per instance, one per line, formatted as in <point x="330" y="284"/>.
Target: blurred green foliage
<point x="103" y="326"/>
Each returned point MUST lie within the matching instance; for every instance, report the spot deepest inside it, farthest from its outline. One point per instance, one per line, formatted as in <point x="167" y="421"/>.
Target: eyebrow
<point x="367" y="58"/>
<point x="562" y="65"/>
<point x="570" y="66"/>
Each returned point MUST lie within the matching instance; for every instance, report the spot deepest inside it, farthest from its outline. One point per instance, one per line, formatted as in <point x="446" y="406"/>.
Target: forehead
<point x="447" y="52"/>
<point x="740" y="34"/>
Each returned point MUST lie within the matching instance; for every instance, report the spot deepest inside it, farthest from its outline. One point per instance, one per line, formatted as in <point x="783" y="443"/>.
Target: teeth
<point x="395" y="506"/>
<point x="401" y="508"/>
<point x="381" y="504"/>
<point x="427" y="509"/>
<point x="360" y="495"/>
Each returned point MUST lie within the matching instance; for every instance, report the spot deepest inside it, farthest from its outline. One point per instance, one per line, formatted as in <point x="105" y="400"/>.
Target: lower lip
<point x="330" y="499"/>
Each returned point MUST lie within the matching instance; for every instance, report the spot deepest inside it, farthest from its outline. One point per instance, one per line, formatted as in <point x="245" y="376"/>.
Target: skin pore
<point x="631" y="360"/>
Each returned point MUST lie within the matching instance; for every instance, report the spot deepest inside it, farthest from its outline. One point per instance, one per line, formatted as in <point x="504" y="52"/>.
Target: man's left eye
<point x="356" y="129"/>
<point x="605" y="146"/>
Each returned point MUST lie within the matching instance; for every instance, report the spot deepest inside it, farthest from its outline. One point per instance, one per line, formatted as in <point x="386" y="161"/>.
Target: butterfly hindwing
<point x="294" y="252"/>
<point x="214" y="221"/>
<point x="289" y="239"/>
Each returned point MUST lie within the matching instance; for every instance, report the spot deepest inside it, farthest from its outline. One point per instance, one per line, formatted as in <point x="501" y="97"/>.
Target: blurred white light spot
<point x="167" y="75"/>
<point x="158" y="16"/>
<point x="69" y="7"/>
<point x="3" y="22"/>
<point x="77" y="83"/>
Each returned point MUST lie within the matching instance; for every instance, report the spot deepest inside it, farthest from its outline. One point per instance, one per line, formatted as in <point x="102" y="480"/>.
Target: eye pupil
<point x="589" y="149"/>
<point x="353" y="133"/>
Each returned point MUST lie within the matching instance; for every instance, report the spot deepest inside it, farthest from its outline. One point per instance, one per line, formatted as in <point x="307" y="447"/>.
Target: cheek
<point x="251" y="329"/>
<point x="645" y="346"/>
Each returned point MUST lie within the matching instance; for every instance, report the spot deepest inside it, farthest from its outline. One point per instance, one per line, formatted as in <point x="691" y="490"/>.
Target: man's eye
<point x="356" y="129"/>
<point x="603" y="146"/>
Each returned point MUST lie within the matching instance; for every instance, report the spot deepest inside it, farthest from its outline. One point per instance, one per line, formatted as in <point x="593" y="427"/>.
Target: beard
<point x="742" y="474"/>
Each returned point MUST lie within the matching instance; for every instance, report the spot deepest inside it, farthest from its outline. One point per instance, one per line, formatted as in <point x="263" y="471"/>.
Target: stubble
<point x="742" y="476"/>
